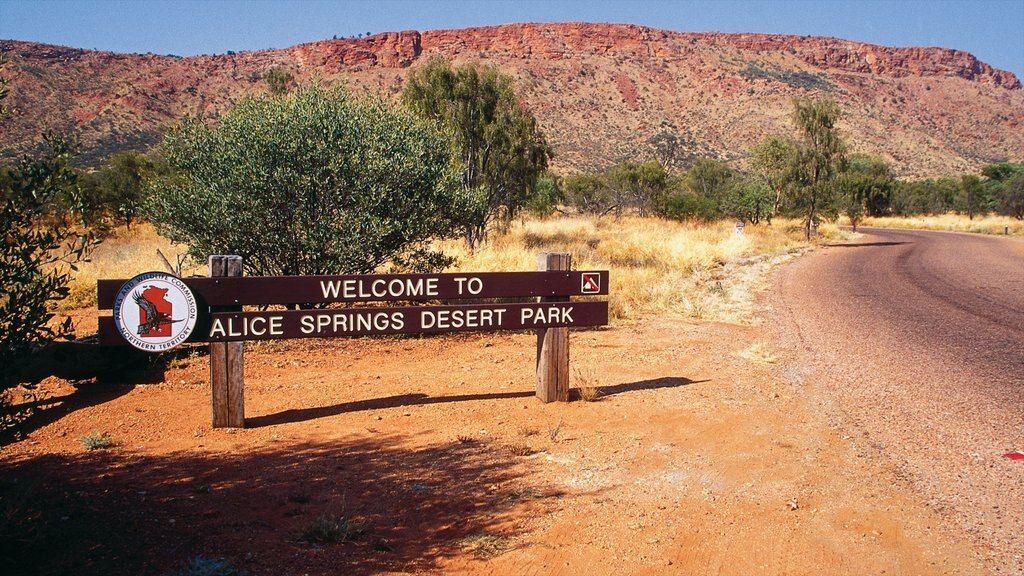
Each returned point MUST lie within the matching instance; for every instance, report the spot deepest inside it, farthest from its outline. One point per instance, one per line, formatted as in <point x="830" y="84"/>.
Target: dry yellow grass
<point x="952" y="222"/>
<point x="122" y="255"/>
<point x="699" y="270"/>
<point x="758" y="353"/>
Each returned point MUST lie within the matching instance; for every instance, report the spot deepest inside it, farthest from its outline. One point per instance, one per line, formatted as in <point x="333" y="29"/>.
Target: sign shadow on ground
<point x="294" y="415"/>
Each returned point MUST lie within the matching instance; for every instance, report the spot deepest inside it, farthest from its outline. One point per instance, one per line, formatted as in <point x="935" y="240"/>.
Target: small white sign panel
<point x="155" y="311"/>
<point x="591" y="283"/>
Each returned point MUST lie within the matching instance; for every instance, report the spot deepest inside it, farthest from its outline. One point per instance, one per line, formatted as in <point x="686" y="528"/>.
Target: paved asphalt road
<point x="915" y="342"/>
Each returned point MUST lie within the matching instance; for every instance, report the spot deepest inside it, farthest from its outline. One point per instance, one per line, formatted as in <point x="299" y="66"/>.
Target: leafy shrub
<point x="547" y="195"/>
<point x="278" y="80"/>
<point x="639" y="186"/>
<point x="310" y="183"/>
<point x="116" y="191"/>
<point x="748" y="199"/>
<point x="588" y="193"/>
<point x="43" y="242"/>
<point x="686" y="205"/>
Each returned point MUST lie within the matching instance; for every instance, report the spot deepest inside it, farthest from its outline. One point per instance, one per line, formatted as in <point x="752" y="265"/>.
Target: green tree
<point x="502" y="149"/>
<point x="121" y="182"/>
<point x="1002" y="171"/>
<point x="748" y="199"/>
<point x="310" y="183"/>
<point x="278" y="80"/>
<point x="709" y="179"/>
<point x="774" y="160"/>
<point x="547" y="195"/>
<point x="971" y="197"/>
<point x="708" y="190"/>
<point x="933" y="196"/>
<point x="589" y="193"/>
<point x="638" y="185"/>
<point x="43" y="242"/>
<point x="820" y="152"/>
<point x="996" y="178"/>
<point x="864" y="187"/>
<point x="1011" y="197"/>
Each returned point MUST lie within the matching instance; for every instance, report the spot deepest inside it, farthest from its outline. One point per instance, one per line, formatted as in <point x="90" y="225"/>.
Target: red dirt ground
<point x="694" y="460"/>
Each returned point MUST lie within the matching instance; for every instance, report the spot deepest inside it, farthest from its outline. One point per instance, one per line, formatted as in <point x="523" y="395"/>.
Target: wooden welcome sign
<point x="156" y="312"/>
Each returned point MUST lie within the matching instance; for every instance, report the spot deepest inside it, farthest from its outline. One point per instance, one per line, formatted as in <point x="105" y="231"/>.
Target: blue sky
<point x="993" y="30"/>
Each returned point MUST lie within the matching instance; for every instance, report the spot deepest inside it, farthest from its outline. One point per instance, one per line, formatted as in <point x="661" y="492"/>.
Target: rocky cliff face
<point x="602" y="92"/>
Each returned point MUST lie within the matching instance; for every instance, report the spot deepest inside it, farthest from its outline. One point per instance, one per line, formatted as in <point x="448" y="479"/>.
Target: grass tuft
<point x="527" y="431"/>
<point x="332" y="529"/>
<point x="758" y="353"/>
<point x="587" y="385"/>
<point x="655" y="264"/>
<point x="520" y="449"/>
<point x="520" y="493"/>
<point x="97" y="441"/>
<point x="554" y="431"/>
<point x="486" y="546"/>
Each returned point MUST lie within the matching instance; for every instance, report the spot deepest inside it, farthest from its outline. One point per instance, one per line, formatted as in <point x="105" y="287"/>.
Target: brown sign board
<point x="382" y="321"/>
<point x="155" y="311"/>
<point x="267" y="290"/>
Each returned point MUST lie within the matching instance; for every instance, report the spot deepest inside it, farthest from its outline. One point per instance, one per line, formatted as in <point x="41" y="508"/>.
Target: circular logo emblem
<point x="155" y="311"/>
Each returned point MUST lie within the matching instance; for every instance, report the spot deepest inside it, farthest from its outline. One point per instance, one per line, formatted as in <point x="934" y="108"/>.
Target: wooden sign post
<point x="156" y="312"/>
<point x="226" y="360"/>
<point x="553" y="343"/>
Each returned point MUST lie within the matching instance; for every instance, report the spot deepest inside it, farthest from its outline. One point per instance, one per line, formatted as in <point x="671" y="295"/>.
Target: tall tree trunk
<point x="810" y="218"/>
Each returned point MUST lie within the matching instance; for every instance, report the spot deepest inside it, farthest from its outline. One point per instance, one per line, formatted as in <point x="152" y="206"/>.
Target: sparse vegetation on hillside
<point x="278" y="80"/>
<point x="696" y="95"/>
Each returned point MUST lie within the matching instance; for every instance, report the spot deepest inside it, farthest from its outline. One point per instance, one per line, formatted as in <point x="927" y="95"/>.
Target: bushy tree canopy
<point x="502" y="149"/>
<point x="819" y="156"/>
<point x="116" y="191"/>
<point x="1011" y="197"/>
<point x="310" y="183"/>
<point x="774" y="160"/>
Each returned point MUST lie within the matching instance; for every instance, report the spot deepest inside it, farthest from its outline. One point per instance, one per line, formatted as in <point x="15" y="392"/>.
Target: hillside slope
<point x="602" y="92"/>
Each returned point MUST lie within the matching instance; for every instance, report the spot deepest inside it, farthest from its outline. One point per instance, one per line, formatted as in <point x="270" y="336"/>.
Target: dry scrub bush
<point x="486" y="546"/>
<point x="97" y="441"/>
<point x="520" y="449"/>
<point x="332" y="529"/>
<point x="587" y="385"/>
